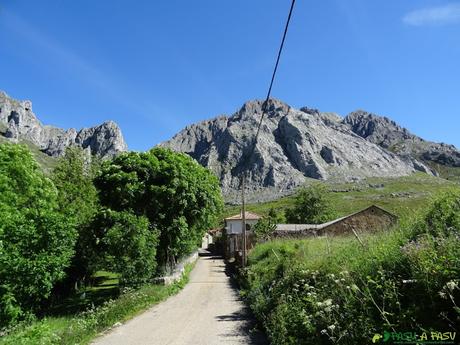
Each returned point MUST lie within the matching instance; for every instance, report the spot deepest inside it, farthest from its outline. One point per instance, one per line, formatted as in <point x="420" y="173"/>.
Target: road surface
<point x="207" y="311"/>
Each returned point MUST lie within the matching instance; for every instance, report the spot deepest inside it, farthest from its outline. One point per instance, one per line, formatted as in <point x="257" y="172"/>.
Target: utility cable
<point x="265" y="103"/>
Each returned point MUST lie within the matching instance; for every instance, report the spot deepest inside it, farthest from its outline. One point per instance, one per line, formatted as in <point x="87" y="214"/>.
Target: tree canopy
<point x="36" y="240"/>
<point x="129" y="245"/>
<point x="312" y="205"/>
<point x="78" y="201"/>
<point x="179" y="197"/>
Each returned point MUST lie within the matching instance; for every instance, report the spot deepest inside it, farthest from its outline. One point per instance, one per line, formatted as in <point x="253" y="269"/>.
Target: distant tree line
<point x="312" y="205"/>
<point x="134" y="215"/>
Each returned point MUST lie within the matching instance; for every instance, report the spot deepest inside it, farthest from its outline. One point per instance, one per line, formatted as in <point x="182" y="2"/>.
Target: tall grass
<point x="337" y="290"/>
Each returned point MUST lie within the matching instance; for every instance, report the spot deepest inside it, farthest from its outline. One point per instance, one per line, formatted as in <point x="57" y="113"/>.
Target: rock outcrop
<point x="389" y="135"/>
<point x="19" y="123"/>
<point x="293" y="146"/>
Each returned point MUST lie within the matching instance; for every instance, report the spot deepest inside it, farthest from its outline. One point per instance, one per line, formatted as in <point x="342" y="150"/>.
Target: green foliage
<point x="317" y="292"/>
<point x="403" y="196"/>
<point x="10" y="311"/>
<point x="443" y="218"/>
<point x="312" y="205"/>
<point x="129" y="246"/>
<point x="78" y="200"/>
<point x="36" y="241"/>
<point x="47" y="163"/>
<point x="179" y="197"/>
<point x="73" y="177"/>
<point x="275" y="216"/>
<point x="264" y="227"/>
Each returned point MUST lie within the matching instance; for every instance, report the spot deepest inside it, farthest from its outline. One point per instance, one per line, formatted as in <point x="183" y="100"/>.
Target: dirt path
<point x="207" y="311"/>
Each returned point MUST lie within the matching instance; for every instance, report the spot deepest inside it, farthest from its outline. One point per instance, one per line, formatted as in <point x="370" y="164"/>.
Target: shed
<point x="368" y="220"/>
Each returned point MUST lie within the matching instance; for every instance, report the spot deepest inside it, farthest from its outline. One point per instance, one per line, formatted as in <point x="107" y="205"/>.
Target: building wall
<point x="369" y="220"/>
<point x="206" y="241"/>
<point x="234" y="244"/>
<point x="294" y="234"/>
<point x="235" y="226"/>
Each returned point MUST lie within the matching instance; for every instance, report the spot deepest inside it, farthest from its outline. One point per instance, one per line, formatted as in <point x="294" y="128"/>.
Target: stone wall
<point x="370" y="220"/>
<point x="178" y="272"/>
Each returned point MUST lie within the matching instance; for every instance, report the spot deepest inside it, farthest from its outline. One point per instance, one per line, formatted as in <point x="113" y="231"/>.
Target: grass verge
<point x="80" y="329"/>
<point x="335" y="290"/>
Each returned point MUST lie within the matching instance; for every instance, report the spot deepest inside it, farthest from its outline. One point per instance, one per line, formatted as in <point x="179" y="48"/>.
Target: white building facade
<point x="233" y="224"/>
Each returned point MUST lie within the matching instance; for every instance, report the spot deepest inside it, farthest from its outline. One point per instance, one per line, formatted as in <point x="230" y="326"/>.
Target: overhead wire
<point x="265" y="103"/>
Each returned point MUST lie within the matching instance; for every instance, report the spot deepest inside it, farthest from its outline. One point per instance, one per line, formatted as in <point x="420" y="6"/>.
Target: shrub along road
<point x="207" y="311"/>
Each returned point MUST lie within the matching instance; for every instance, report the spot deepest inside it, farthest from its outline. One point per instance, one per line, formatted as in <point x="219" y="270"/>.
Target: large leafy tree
<point x="78" y="201"/>
<point x="179" y="197"/>
<point x="129" y="245"/>
<point x="36" y="240"/>
<point x="312" y="205"/>
<point x="73" y="177"/>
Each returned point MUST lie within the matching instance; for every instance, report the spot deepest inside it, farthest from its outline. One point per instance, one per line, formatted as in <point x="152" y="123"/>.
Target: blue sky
<point x="156" y="66"/>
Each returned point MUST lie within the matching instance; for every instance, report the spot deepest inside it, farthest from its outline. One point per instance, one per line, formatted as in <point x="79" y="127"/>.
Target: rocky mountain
<point x="294" y="145"/>
<point x="389" y="135"/>
<point x="19" y="123"/>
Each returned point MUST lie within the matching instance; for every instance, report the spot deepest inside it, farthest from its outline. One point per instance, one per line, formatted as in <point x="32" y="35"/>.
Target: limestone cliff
<point x="19" y="123"/>
<point x="293" y="146"/>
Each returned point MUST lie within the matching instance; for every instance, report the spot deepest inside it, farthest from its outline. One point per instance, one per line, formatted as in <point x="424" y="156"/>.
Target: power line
<point x="264" y="106"/>
<point x="251" y="152"/>
<point x="265" y="103"/>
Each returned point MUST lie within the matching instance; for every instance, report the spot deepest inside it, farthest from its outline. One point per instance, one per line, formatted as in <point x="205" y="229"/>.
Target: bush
<point x="406" y="280"/>
<point x="129" y="246"/>
<point x="443" y="217"/>
<point x="312" y="205"/>
<point x="179" y="197"/>
<point x="36" y="241"/>
<point x="78" y="201"/>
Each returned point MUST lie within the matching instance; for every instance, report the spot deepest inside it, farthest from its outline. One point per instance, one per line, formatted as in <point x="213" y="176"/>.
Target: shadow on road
<point x="246" y="325"/>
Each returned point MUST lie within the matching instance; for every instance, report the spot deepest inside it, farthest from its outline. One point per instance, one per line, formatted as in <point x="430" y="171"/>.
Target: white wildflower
<point x="328" y="302"/>
<point x="452" y="285"/>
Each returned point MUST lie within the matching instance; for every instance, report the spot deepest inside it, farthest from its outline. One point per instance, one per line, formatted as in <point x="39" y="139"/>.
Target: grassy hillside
<point x="337" y="290"/>
<point x="402" y="195"/>
<point x="446" y="172"/>
<point x="46" y="162"/>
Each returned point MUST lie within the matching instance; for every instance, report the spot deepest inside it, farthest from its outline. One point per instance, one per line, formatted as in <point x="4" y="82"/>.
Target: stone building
<point x="369" y="220"/>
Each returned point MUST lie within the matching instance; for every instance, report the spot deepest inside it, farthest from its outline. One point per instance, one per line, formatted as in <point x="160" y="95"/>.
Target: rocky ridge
<point x="19" y="123"/>
<point x="389" y="135"/>
<point x="294" y="145"/>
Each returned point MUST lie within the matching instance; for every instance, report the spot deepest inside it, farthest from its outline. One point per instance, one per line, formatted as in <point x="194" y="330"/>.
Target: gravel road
<point x="207" y="311"/>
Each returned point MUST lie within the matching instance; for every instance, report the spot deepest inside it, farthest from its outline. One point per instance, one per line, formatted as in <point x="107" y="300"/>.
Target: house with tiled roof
<point x="233" y="224"/>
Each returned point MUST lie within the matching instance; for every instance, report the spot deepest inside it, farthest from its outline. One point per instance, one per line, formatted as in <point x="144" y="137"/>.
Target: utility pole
<point x="264" y="111"/>
<point x="243" y="218"/>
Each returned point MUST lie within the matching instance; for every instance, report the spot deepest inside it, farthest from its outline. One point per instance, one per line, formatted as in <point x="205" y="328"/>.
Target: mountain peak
<point x="274" y="108"/>
<point x="21" y="124"/>
<point x="293" y="146"/>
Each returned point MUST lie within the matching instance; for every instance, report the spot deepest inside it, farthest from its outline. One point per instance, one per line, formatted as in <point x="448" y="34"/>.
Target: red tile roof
<point x="249" y="215"/>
